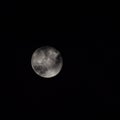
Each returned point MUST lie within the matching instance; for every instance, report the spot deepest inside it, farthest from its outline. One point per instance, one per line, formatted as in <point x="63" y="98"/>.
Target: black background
<point x="7" y="8"/>
<point x="87" y="80"/>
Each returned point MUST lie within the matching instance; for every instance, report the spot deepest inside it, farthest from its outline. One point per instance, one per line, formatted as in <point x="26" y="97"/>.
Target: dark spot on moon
<point x="40" y="69"/>
<point x="58" y="59"/>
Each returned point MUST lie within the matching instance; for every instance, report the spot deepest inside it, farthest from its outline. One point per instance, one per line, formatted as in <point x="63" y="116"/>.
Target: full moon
<point x="46" y="61"/>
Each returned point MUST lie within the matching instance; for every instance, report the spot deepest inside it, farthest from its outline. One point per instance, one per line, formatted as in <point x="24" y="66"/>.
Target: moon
<point x="46" y="61"/>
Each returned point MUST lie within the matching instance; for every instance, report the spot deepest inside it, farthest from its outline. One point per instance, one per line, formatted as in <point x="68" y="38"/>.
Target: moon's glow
<point x="45" y="61"/>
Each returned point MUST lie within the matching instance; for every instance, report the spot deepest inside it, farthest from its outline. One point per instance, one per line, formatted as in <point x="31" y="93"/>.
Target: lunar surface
<point x="46" y="61"/>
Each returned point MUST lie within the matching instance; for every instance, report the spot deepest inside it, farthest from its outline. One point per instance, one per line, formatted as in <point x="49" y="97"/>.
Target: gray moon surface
<point x="46" y="61"/>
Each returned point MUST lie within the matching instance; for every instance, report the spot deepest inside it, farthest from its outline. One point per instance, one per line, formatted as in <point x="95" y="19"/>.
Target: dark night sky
<point x="85" y="78"/>
<point x="7" y="8"/>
